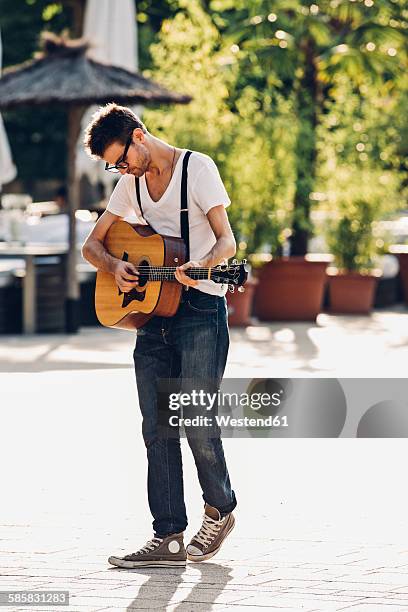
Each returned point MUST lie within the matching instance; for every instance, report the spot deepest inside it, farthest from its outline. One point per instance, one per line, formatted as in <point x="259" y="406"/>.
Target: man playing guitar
<point x="158" y="181"/>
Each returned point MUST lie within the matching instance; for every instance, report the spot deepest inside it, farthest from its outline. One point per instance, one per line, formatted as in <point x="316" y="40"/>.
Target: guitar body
<point x="140" y="245"/>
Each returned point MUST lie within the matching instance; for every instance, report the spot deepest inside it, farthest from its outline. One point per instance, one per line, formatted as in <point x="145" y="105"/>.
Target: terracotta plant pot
<point x="240" y="305"/>
<point x="290" y="289"/>
<point x="352" y="293"/>
<point x="403" y="264"/>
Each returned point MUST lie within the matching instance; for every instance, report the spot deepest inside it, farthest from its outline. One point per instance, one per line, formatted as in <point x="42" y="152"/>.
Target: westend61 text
<point x="228" y="421"/>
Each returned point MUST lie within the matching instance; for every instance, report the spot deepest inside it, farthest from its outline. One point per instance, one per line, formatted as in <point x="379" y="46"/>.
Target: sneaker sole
<point x="118" y="562"/>
<point x="199" y="558"/>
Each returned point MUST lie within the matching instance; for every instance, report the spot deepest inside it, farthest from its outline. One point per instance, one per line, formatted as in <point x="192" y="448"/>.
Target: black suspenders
<point x="184" y="223"/>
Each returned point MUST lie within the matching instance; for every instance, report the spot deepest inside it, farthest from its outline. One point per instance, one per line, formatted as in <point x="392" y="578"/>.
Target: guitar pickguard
<point x="139" y="296"/>
<point x="134" y="294"/>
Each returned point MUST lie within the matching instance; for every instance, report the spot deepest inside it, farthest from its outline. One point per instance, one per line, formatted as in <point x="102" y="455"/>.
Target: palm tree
<point x="303" y="48"/>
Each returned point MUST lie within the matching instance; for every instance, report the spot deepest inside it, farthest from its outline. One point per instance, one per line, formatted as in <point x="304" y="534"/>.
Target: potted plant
<point x="353" y="281"/>
<point x="259" y="175"/>
<point x="260" y="234"/>
<point x="291" y="289"/>
<point x="287" y="288"/>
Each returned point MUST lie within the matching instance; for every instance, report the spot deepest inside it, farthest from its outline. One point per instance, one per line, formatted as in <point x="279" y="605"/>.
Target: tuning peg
<point x="244" y="261"/>
<point x="234" y="262"/>
<point x="231" y="288"/>
<point x="241" y="289"/>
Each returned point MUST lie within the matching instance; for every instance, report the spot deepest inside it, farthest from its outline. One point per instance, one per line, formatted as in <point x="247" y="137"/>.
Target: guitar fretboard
<point x="160" y="273"/>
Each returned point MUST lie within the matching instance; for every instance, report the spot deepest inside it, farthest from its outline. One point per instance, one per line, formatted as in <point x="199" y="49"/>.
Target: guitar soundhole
<point x="144" y="275"/>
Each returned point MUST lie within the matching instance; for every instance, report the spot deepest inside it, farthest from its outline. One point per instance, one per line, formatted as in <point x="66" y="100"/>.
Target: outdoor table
<point x="29" y="252"/>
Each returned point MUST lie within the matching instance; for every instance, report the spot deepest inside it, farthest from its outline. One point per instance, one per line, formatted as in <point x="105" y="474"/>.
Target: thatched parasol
<point x="8" y="170"/>
<point x="63" y="75"/>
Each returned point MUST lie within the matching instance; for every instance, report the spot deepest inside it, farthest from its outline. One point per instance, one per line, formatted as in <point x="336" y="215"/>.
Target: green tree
<point x="259" y="173"/>
<point x="252" y="150"/>
<point x="186" y="59"/>
<point x="305" y="47"/>
<point x="150" y="17"/>
<point x="359" y="177"/>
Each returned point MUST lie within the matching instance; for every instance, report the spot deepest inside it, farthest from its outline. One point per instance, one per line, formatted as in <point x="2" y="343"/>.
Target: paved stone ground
<point x="321" y="523"/>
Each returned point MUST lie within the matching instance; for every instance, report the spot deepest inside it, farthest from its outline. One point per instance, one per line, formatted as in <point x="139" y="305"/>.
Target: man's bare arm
<point x="224" y="248"/>
<point x="94" y="251"/>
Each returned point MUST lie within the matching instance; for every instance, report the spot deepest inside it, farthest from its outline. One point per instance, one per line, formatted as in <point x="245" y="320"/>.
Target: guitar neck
<point x="161" y="273"/>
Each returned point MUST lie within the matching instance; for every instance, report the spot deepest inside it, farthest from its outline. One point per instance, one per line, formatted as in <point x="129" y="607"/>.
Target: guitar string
<point x="156" y="270"/>
<point x="173" y="268"/>
<point x="193" y="268"/>
<point x="162" y="272"/>
<point x="189" y="271"/>
<point x="150" y="271"/>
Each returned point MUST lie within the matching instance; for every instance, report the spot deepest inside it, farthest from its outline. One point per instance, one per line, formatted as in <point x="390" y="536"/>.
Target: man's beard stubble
<point x="142" y="165"/>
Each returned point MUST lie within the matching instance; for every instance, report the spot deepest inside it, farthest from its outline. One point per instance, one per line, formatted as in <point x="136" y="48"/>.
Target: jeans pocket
<point x="202" y="302"/>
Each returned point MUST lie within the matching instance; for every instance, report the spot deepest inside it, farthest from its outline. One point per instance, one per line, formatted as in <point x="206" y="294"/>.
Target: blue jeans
<point x="193" y="343"/>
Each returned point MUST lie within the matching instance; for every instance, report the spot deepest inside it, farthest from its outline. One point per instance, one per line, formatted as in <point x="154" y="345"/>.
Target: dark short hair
<point x="110" y="123"/>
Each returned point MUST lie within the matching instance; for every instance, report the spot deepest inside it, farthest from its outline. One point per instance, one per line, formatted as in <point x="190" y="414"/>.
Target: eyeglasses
<point x="121" y="164"/>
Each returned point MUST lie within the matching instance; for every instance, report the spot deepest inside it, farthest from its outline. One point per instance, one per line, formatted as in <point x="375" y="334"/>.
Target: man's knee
<point x="205" y="449"/>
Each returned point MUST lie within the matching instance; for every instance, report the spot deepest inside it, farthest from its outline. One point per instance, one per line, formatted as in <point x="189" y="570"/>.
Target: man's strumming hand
<point x="126" y="275"/>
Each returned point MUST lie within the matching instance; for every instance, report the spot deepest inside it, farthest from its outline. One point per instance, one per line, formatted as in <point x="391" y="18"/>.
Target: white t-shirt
<point x="205" y="190"/>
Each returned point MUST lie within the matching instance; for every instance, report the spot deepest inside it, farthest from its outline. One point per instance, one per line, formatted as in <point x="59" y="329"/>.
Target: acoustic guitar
<point x="158" y="292"/>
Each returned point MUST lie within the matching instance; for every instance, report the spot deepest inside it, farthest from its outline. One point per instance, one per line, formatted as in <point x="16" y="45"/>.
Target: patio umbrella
<point x="111" y="30"/>
<point x="7" y="168"/>
<point x="64" y="75"/>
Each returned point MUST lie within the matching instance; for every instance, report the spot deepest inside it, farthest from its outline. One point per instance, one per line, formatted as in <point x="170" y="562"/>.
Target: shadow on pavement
<point x="161" y="587"/>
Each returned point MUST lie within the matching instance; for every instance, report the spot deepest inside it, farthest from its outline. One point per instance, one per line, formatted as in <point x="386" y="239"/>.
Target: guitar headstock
<point x="233" y="275"/>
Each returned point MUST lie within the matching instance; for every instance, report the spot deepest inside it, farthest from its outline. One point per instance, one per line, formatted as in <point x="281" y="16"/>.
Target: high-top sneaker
<point x="157" y="552"/>
<point x="208" y="541"/>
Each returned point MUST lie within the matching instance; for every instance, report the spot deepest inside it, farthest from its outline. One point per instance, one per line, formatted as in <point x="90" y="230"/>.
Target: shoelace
<point x="209" y="530"/>
<point x="149" y="546"/>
